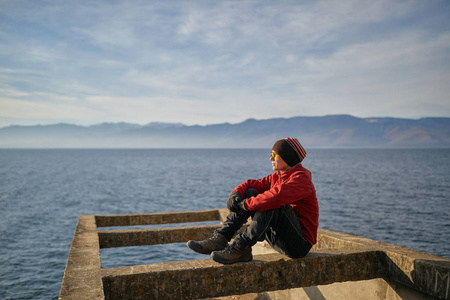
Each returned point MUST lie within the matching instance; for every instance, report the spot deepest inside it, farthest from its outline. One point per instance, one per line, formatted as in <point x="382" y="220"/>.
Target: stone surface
<point x="338" y="261"/>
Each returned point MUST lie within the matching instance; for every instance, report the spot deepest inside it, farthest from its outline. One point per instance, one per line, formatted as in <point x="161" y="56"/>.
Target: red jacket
<point x="293" y="187"/>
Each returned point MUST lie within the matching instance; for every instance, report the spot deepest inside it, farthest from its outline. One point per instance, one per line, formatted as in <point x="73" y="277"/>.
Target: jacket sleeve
<point x="298" y="186"/>
<point x="261" y="185"/>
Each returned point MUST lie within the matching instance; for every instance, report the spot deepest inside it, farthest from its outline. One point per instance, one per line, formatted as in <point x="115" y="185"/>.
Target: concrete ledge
<point x="81" y="277"/>
<point x="143" y="237"/>
<point x="158" y="218"/>
<point x="269" y="272"/>
<point x="421" y="271"/>
<point x="371" y="289"/>
<point x="337" y="257"/>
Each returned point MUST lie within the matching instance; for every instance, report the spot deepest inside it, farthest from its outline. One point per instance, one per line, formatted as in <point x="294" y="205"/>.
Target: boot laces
<point x="213" y="237"/>
<point x="230" y="249"/>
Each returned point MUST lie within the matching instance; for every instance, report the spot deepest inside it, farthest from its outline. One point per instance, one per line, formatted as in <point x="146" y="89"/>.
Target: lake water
<point x="395" y="196"/>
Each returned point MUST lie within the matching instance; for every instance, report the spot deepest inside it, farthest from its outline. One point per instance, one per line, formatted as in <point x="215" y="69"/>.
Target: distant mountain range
<point x="334" y="131"/>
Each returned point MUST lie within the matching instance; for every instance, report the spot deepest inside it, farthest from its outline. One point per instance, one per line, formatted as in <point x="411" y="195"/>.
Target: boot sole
<point x="217" y="258"/>
<point x="199" y="249"/>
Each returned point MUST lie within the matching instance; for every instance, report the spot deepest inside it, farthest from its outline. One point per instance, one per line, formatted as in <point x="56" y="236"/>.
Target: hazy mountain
<point x="334" y="131"/>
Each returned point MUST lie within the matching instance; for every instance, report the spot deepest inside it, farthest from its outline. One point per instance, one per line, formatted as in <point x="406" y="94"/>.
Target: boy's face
<point x="278" y="164"/>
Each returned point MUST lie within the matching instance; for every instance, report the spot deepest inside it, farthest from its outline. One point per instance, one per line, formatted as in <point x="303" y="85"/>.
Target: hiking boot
<point x="215" y="242"/>
<point x="232" y="254"/>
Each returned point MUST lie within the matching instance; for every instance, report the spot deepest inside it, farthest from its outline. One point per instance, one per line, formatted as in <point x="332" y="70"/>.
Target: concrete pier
<point x="340" y="266"/>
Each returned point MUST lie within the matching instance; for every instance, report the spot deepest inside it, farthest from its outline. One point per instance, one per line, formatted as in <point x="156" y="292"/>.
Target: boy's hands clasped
<point x="235" y="203"/>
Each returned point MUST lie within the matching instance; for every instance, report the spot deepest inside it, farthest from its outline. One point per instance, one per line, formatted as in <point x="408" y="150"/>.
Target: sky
<point x="208" y="62"/>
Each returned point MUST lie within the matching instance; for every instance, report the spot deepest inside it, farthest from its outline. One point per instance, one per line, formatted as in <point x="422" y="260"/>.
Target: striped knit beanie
<point x="290" y="150"/>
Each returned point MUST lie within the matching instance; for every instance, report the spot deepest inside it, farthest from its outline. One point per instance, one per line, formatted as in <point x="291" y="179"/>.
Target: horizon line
<point x="211" y="124"/>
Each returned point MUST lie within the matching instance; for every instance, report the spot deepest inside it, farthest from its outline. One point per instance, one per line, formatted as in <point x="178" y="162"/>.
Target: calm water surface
<point x="396" y="196"/>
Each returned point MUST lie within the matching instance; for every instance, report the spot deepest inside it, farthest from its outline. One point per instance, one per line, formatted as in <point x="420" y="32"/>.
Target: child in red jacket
<point x="283" y="207"/>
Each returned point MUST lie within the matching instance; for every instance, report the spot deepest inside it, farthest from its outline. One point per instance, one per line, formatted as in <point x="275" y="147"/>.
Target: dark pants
<point x="279" y="227"/>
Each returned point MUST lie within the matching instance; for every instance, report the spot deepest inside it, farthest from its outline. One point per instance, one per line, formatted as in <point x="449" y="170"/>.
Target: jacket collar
<point x="290" y="170"/>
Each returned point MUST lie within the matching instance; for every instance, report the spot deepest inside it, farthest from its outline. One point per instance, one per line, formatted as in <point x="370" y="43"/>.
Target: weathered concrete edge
<point x="157" y="218"/>
<point x="188" y="281"/>
<point x="208" y="263"/>
<point x="399" y="261"/>
<point x="82" y="275"/>
<point x="82" y="278"/>
<point x="143" y="237"/>
<point x="424" y="272"/>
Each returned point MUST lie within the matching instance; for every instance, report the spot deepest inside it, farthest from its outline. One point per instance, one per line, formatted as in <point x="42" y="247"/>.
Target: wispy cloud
<point x="202" y="62"/>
